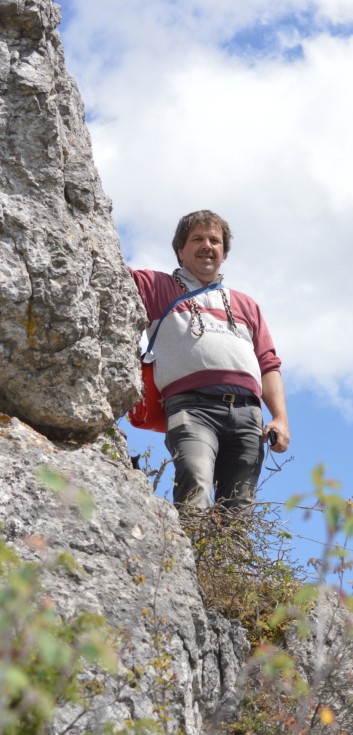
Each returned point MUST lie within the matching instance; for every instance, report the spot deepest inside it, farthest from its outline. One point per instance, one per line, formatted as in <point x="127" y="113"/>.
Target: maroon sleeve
<point x="264" y="347"/>
<point x="145" y="284"/>
<point x="246" y="310"/>
<point x="156" y="289"/>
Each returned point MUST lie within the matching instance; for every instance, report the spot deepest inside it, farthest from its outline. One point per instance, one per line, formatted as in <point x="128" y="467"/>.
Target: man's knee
<point x="194" y="460"/>
<point x="191" y="495"/>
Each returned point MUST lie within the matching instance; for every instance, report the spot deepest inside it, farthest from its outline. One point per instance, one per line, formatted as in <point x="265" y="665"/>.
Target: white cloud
<point x="179" y="125"/>
<point x="337" y="11"/>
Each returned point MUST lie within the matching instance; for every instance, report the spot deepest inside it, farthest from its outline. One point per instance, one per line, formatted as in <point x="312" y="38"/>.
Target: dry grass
<point x="244" y="564"/>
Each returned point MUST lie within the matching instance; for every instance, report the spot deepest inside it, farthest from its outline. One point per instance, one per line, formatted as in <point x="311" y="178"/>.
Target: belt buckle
<point x="229" y="397"/>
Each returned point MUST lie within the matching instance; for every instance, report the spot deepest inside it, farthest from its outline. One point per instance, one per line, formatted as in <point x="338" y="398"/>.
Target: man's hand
<point x="274" y="397"/>
<point x="282" y="435"/>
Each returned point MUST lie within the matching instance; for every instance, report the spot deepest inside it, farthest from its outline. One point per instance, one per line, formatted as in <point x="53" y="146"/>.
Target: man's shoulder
<point x="242" y="297"/>
<point x="149" y="281"/>
<point x="150" y="275"/>
<point x="157" y="290"/>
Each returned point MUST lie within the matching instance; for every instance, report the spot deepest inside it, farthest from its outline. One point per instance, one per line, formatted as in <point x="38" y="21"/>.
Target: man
<point x="214" y="361"/>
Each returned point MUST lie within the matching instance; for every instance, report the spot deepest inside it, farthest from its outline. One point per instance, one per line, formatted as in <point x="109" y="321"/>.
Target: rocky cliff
<point x="70" y="318"/>
<point x="121" y="552"/>
<point x="70" y="325"/>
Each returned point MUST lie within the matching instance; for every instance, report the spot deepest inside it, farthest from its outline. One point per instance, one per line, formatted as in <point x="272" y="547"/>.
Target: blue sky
<point x="246" y="109"/>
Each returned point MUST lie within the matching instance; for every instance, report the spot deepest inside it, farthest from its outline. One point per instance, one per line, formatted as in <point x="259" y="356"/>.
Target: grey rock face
<point x="70" y="322"/>
<point x="70" y="317"/>
<point x="130" y="536"/>
<point x="324" y="659"/>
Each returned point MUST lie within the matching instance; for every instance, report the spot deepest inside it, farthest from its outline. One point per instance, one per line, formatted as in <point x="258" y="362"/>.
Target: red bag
<point x="149" y="413"/>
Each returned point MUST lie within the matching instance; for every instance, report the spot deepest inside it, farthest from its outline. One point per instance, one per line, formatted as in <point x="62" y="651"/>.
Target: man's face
<point x="203" y="252"/>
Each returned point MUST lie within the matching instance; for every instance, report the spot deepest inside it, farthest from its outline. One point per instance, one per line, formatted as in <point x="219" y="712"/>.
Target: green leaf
<point x="348" y="526"/>
<point x="51" y="479"/>
<point x="52" y="651"/>
<point x="339" y="552"/>
<point x="335" y="484"/>
<point x="108" y="658"/>
<point x="15" y="680"/>
<point x="69" y="563"/>
<point x="7" y="555"/>
<point x="23" y="582"/>
<point x="348" y="602"/>
<point x="294" y="501"/>
<point x="302" y="686"/>
<point x="279" y="663"/>
<point x="333" y="516"/>
<point x="303" y="628"/>
<point x="284" y="534"/>
<point x="318" y="476"/>
<point x="278" y="616"/>
<point x="306" y="593"/>
<point x="90" y="651"/>
<point x="85" y="503"/>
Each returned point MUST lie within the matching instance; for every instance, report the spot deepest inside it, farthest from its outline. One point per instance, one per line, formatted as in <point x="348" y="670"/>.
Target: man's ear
<point x="180" y="254"/>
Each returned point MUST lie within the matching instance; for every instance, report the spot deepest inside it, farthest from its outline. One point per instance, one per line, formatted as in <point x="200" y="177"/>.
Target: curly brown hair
<point x="202" y="217"/>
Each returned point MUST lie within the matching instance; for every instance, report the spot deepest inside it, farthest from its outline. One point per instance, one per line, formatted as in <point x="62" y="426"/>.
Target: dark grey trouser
<point x="214" y="444"/>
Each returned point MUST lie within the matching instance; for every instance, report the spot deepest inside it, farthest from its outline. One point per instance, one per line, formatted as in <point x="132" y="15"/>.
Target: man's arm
<point x="275" y="399"/>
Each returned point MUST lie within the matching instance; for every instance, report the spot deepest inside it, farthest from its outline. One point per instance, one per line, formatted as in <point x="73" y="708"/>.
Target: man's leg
<point x="193" y="443"/>
<point x="240" y="458"/>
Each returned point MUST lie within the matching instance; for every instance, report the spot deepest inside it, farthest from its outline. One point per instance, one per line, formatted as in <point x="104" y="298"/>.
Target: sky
<point x="245" y="109"/>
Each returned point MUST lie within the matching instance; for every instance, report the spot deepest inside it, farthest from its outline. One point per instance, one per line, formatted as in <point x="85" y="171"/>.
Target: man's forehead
<point x="210" y="227"/>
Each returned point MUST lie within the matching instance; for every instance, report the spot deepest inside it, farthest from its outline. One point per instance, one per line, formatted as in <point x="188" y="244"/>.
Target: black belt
<point x="237" y="398"/>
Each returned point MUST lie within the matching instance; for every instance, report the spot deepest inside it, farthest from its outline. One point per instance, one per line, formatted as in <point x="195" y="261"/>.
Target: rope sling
<point x="197" y="324"/>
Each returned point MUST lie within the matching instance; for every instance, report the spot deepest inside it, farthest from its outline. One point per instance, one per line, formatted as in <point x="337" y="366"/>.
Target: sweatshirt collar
<point x="191" y="282"/>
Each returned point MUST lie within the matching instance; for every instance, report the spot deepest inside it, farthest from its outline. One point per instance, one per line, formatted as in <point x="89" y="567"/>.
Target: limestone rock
<point x="70" y="323"/>
<point x="70" y="316"/>
<point x="324" y="660"/>
<point x="131" y="534"/>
